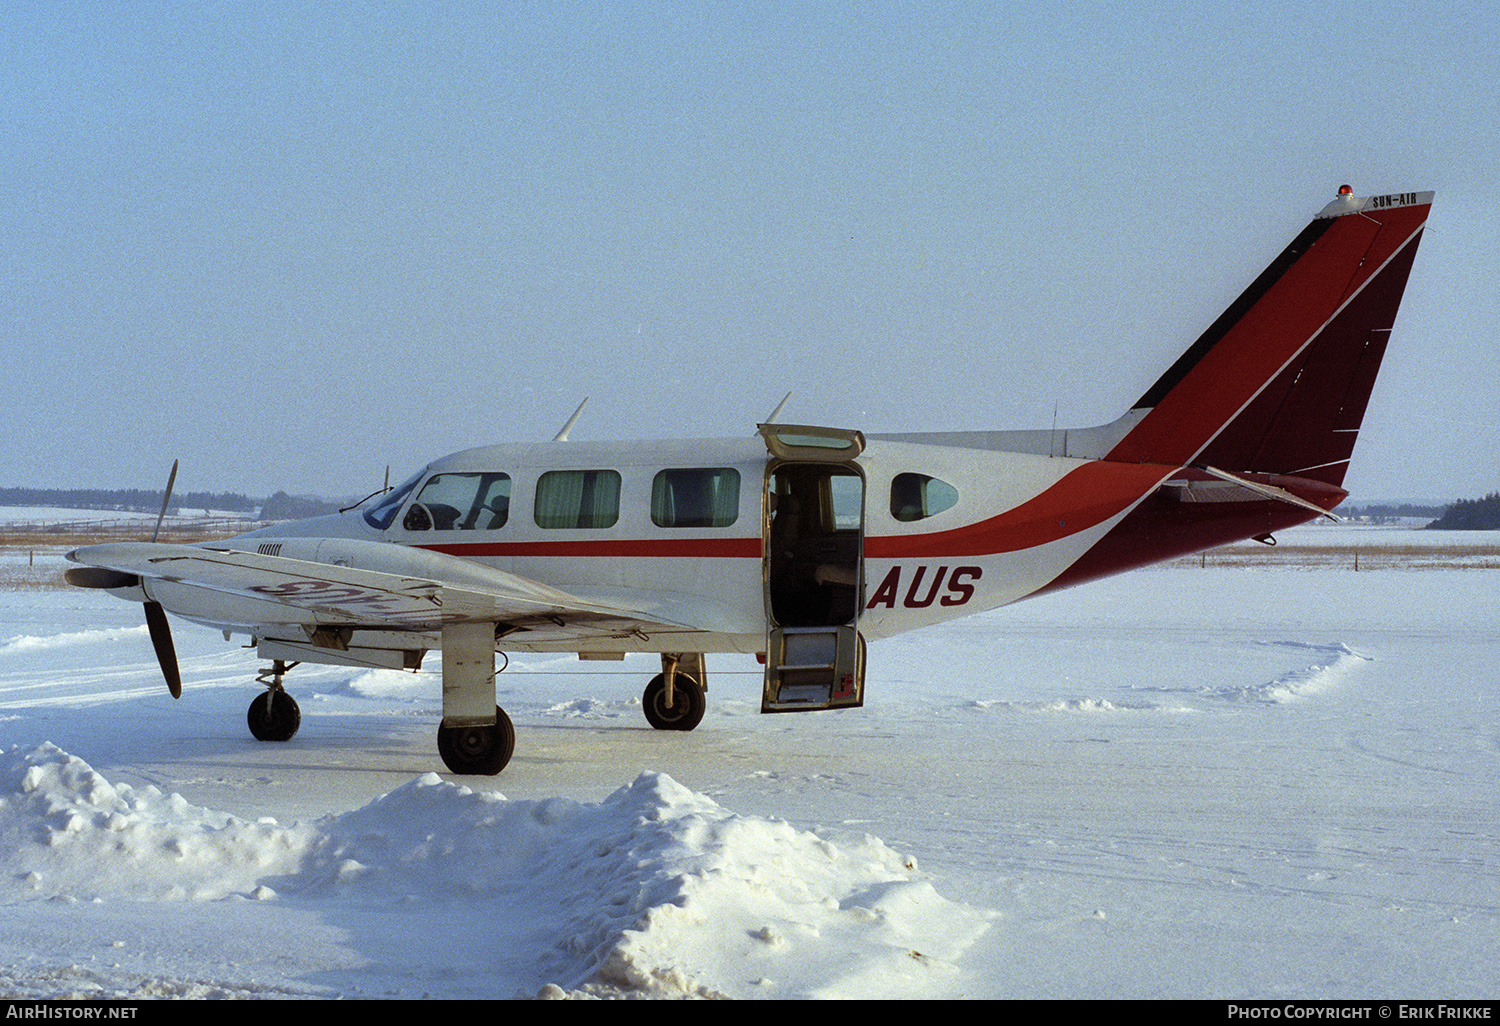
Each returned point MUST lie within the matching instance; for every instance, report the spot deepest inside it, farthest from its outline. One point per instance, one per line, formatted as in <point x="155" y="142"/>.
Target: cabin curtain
<point x="578" y="499"/>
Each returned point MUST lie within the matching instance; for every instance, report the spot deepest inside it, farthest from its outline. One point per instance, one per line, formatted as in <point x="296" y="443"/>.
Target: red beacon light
<point x="1346" y="190"/>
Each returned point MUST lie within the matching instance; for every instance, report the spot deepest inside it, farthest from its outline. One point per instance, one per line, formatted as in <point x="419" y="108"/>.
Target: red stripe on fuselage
<point x="661" y="548"/>
<point x="1084" y="498"/>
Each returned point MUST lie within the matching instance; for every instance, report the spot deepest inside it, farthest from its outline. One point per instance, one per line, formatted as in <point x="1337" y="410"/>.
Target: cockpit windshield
<point x="383" y="512"/>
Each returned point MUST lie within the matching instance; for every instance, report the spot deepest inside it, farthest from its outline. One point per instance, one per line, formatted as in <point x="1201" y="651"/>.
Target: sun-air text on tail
<point x="799" y="542"/>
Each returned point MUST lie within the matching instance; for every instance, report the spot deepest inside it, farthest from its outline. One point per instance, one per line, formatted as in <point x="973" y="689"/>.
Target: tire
<point x="478" y="751"/>
<point x="688" y="707"/>
<point x="273" y="716"/>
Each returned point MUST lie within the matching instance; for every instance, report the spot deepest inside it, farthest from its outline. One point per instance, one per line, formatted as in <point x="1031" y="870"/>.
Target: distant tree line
<point x="280" y="506"/>
<point x="130" y="500"/>
<point x="1385" y="514"/>
<point x="1470" y="515"/>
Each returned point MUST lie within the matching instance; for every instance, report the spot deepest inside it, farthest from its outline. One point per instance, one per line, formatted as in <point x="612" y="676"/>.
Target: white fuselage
<point x="987" y="548"/>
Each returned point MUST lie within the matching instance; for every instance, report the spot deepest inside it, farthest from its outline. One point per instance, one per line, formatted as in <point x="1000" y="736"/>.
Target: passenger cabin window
<point x="578" y="498"/>
<point x="917" y="497"/>
<point x="708" y="497"/>
<point x="460" y="502"/>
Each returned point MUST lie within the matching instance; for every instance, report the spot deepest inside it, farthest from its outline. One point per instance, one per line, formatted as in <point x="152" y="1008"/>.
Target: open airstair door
<point x="814" y="569"/>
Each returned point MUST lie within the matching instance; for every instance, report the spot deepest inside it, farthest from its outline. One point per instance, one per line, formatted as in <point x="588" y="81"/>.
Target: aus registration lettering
<point x="925" y="585"/>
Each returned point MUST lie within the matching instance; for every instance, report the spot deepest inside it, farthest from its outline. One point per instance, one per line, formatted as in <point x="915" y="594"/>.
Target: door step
<point x="812" y="668"/>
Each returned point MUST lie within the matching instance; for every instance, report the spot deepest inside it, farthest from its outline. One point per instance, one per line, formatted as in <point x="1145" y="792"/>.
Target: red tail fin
<point x="1279" y="383"/>
<point x="1268" y="402"/>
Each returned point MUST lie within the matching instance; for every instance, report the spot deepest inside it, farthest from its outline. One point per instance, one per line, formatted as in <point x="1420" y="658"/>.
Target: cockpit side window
<point x="461" y="502"/>
<point x="383" y="512"/>
<point x="917" y="497"/>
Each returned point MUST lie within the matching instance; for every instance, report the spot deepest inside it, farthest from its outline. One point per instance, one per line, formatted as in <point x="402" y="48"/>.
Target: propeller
<point x="156" y="616"/>
<point x="166" y="652"/>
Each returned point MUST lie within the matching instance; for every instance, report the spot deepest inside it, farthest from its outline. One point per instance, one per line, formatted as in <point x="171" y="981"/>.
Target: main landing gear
<point x="481" y="750"/>
<point x="478" y="751"/>
<point x="675" y="700"/>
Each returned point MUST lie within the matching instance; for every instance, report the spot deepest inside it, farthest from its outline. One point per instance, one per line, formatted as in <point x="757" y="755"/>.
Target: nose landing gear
<point x="274" y="715"/>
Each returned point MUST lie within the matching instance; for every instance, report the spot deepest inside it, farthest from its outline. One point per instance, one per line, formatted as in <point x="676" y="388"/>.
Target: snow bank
<point x="33" y="643"/>
<point x="68" y="834"/>
<point x="656" y="891"/>
<point x="1335" y="661"/>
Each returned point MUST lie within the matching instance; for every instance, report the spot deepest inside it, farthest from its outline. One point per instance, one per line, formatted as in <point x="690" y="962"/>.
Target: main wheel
<point x="273" y="716"/>
<point x="478" y="751"/>
<point x="686" y="710"/>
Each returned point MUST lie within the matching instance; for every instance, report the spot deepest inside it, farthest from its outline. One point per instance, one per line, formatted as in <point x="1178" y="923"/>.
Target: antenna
<point x="562" y="436"/>
<point x="385" y="488"/>
<point x="777" y="412"/>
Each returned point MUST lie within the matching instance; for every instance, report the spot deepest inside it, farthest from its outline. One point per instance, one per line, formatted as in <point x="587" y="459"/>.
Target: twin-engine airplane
<point x="801" y="542"/>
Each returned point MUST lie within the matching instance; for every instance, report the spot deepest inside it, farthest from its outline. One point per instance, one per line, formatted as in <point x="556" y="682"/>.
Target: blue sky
<point x="292" y="244"/>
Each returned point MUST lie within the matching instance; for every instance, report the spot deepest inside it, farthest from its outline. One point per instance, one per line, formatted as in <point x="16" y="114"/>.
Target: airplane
<point x="800" y="542"/>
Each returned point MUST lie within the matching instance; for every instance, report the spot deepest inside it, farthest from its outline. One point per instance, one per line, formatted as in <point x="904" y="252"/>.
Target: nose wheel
<point x="274" y="715"/>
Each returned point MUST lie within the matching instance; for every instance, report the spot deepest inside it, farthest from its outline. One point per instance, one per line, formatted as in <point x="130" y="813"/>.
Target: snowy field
<point x="1276" y="780"/>
<point x="40" y="521"/>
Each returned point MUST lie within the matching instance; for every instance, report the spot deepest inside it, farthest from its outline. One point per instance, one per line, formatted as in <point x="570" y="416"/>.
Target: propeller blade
<point x="166" y="652"/>
<point x="165" y="499"/>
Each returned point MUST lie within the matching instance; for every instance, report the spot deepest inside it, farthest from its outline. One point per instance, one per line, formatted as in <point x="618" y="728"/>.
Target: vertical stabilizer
<point x="1279" y="383"/>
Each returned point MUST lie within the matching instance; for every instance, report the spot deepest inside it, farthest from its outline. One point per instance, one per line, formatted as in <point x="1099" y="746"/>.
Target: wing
<point x="335" y="583"/>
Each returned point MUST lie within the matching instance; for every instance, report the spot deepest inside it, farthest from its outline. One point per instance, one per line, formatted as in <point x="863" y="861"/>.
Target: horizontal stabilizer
<point x="1269" y="491"/>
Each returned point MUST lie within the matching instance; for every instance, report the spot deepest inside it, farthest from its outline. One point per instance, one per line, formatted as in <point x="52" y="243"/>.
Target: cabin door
<point x="813" y="532"/>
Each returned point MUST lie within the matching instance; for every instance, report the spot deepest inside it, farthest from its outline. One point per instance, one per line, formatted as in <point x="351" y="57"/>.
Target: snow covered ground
<point x="43" y="517"/>
<point x="1255" y="782"/>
